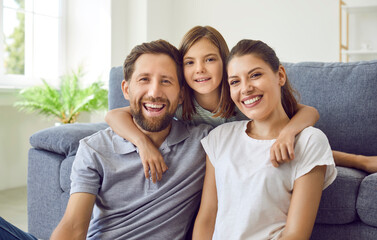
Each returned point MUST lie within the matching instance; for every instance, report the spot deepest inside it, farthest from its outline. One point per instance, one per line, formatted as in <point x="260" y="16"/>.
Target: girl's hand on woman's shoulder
<point x="282" y="151"/>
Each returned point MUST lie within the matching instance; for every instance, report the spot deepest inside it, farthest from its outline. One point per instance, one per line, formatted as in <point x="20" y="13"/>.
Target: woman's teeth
<point x="252" y="100"/>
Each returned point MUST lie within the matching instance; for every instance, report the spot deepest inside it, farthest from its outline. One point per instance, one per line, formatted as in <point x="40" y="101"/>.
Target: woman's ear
<point x="125" y="86"/>
<point x="282" y="76"/>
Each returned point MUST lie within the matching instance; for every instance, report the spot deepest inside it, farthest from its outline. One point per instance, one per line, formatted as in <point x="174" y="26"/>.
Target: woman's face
<point x="254" y="87"/>
<point x="203" y="67"/>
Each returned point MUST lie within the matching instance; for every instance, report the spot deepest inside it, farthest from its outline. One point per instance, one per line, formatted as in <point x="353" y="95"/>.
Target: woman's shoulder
<point x="230" y="127"/>
<point x="312" y="133"/>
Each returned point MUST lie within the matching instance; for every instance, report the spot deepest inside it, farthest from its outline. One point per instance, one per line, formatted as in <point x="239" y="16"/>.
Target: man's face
<point x="153" y="91"/>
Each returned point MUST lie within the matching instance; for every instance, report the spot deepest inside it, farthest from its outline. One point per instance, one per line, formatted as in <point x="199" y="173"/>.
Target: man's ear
<point x="125" y="88"/>
<point x="181" y="96"/>
<point x="282" y="75"/>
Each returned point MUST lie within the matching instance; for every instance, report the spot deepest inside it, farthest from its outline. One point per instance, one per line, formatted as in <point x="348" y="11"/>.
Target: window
<point x="30" y="46"/>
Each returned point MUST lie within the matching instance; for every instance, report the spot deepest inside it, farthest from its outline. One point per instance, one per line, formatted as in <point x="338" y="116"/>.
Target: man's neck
<point x="157" y="138"/>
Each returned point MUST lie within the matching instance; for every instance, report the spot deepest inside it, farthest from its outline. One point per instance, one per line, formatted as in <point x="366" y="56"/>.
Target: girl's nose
<point x="200" y="67"/>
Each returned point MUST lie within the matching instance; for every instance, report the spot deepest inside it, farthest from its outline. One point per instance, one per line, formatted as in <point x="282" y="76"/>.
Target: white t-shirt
<point x="253" y="196"/>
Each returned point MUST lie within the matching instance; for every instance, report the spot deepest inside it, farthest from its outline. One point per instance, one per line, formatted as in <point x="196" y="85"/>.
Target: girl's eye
<point x="189" y="63"/>
<point x="233" y="82"/>
<point x="210" y="59"/>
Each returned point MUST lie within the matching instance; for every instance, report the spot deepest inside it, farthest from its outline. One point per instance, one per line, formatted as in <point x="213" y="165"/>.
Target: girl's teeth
<point x="201" y="80"/>
<point x="252" y="100"/>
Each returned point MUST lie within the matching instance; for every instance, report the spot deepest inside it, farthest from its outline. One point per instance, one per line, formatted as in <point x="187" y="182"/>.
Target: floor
<point x="13" y="206"/>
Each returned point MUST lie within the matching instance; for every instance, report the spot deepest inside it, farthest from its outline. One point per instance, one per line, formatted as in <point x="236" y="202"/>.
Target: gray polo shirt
<point x="128" y="206"/>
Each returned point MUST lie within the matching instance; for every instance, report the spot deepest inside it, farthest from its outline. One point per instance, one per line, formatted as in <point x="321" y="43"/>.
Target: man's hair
<point x="154" y="47"/>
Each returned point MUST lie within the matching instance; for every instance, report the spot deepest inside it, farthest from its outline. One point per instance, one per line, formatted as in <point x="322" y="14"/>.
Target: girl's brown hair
<point x="268" y="55"/>
<point x="225" y="108"/>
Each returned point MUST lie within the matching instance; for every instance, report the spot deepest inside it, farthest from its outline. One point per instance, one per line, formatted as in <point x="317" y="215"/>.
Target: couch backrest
<point x="116" y="98"/>
<point x="345" y="95"/>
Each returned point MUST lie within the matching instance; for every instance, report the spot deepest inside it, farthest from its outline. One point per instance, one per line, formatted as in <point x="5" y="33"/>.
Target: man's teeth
<point x="252" y="100"/>
<point x="150" y="105"/>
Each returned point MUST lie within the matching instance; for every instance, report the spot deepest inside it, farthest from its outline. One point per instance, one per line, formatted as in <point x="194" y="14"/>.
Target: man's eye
<point x="165" y="81"/>
<point x="143" y="79"/>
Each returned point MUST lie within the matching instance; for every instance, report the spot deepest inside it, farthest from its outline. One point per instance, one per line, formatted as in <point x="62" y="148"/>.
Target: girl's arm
<point x="283" y="149"/>
<point x="307" y="192"/>
<point x="120" y="120"/>
<point x="205" y="221"/>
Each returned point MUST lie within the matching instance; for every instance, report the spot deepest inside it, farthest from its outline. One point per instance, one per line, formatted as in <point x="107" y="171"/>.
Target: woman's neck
<point x="268" y="128"/>
<point x="208" y="101"/>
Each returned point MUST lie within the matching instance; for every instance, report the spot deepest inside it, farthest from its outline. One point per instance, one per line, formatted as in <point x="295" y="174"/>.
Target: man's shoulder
<point x="99" y="137"/>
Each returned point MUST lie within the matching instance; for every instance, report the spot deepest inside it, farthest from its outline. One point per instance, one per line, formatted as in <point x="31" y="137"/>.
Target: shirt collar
<point x="177" y="134"/>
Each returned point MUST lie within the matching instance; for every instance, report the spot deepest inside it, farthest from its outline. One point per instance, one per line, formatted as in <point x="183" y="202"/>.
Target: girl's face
<point x="203" y="67"/>
<point x="254" y="87"/>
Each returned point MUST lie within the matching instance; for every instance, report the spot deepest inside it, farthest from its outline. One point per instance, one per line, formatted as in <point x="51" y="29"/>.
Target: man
<point x="108" y="182"/>
<point x="108" y="174"/>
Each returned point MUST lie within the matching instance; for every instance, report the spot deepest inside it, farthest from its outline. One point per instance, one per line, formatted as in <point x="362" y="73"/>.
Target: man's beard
<point x="153" y="124"/>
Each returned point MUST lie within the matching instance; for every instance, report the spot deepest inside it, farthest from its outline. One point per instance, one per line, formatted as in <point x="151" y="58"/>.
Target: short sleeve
<point x="317" y="152"/>
<point x="208" y="144"/>
<point x="85" y="176"/>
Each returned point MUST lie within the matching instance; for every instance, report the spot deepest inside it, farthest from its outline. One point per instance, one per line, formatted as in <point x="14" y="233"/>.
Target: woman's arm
<point x="76" y="219"/>
<point x="283" y="149"/>
<point x="120" y="120"/>
<point x="205" y="221"/>
<point x="307" y="192"/>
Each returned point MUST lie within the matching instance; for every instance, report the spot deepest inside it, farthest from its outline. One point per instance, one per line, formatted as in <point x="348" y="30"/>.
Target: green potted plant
<point x="65" y="103"/>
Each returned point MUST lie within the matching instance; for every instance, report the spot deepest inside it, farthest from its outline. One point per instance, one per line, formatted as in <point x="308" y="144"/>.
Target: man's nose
<point x="155" y="89"/>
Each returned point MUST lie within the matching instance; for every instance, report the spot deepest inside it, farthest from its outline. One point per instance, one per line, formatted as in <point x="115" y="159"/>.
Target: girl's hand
<point x="282" y="150"/>
<point x="152" y="160"/>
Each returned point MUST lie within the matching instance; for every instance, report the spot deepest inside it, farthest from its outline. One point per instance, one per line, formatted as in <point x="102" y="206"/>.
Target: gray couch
<point x="345" y="94"/>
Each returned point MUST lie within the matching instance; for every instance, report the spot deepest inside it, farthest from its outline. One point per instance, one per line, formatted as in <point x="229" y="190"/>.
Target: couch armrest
<point x="64" y="139"/>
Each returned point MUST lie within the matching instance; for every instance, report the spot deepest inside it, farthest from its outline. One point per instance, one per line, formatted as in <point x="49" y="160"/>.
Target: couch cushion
<point x="367" y="200"/>
<point x="64" y="139"/>
<point x="338" y="202"/>
<point x="65" y="173"/>
<point x="345" y="96"/>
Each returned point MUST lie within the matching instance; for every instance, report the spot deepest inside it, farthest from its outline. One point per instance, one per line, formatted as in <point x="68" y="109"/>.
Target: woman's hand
<point x="282" y="150"/>
<point x="152" y="160"/>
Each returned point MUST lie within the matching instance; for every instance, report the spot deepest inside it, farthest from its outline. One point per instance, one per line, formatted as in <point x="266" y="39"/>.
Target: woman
<point x="204" y="52"/>
<point x="244" y="196"/>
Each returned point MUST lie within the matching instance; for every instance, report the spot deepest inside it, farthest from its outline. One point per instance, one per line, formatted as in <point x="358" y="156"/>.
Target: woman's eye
<point x="255" y="75"/>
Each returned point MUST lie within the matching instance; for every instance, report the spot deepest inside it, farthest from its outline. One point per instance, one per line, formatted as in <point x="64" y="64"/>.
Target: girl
<point x="206" y="100"/>
<point x="244" y="197"/>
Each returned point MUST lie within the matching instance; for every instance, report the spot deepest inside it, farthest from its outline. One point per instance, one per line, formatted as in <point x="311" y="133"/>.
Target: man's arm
<point x="307" y="192"/>
<point x="76" y="219"/>
<point x="205" y="221"/>
<point x="283" y="149"/>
